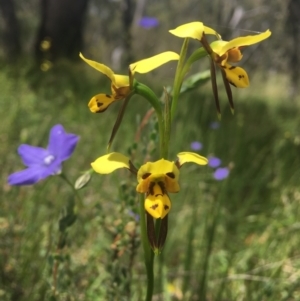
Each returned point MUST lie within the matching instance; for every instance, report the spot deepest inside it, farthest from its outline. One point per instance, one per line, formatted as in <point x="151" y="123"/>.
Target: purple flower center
<point x="49" y="159"/>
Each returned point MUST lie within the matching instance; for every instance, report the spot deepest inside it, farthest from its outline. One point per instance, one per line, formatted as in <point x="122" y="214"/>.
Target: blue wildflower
<point x="214" y="162"/>
<point x="221" y="173"/>
<point x="148" y="22"/>
<point x="196" y="146"/>
<point x="42" y="163"/>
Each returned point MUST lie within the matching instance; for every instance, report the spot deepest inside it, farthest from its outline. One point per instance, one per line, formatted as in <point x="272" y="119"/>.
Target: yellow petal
<point x="161" y="170"/>
<point x="209" y="30"/>
<point x="237" y="76"/>
<point x="217" y="46"/>
<point x="245" y="41"/>
<point x="110" y="162"/>
<point x="157" y="204"/>
<point x="100" y="102"/>
<point x="121" y="80"/>
<point x="100" y="67"/>
<point x="234" y="55"/>
<point x="185" y="157"/>
<point x="193" y="30"/>
<point x="153" y="62"/>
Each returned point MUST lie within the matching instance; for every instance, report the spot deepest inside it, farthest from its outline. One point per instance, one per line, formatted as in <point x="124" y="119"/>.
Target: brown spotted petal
<point x="157" y="202"/>
<point x="161" y="170"/>
<point x="237" y="76"/>
<point x="100" y="102"/>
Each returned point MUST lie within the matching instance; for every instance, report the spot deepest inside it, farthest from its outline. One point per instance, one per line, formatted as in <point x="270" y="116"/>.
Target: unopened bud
<point x="82" y="180"/>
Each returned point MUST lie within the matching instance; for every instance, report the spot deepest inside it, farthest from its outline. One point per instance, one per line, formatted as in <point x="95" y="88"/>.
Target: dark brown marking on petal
<point x="171" y="175"/>
<point x="99" y="104"/>
<point x="162" y="232"/>
<point x="232" y="67"/>
<point x="146" y="175"/>
<point x="154" y="206"/>
<point x="166" y="207"/>
<point x="108" y="96"/>
<point x="162" y="186"/>
<point x="151" y="186"/>
<point x="159" y="194"/>
<point x="241" y="76"/>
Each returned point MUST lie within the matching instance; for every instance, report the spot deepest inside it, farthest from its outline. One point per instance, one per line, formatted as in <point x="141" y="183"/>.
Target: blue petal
<point x="214" y="162"/>
<point x="29" y="176"/>
<point x="221" y="173"/>
<point x="61" y="144"/>
<point x="148" y="22"/>
<point x="32" y="155"/>
<point x="196" y="146"/>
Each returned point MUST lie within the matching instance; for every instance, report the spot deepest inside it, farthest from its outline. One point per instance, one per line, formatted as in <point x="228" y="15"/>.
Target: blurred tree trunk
<point x="61" y="29"/>
<point x="293" y="29"/>
<point x="11" y="36"/>
<point x="127" y="18"/>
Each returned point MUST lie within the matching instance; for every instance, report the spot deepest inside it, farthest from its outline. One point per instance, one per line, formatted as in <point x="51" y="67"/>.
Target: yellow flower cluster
<point x="157" y="179"/>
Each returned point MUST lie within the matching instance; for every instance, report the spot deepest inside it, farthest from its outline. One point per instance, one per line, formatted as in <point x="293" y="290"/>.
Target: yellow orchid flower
<point x="222" y="53"/>
<point x="155" y="179"/>
<point x="120" y="84"/>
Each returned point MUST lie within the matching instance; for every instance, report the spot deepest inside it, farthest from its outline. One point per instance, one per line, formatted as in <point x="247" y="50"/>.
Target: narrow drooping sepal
<point x="214" y="86"/>
<point x="228" y="91"/>
<point x="118" y="121"/>
<point x="162" y="235"/>
<point x="151" y="231"/>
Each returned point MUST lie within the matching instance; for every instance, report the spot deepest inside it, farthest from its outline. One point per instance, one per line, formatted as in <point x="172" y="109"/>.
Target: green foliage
<point x="231" y="240"/>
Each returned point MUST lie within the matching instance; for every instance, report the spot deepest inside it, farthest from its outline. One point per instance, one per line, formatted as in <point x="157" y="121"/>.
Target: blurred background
<point x="231" y="237"/>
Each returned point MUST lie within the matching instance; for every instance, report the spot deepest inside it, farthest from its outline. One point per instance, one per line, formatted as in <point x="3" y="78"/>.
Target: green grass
<point x="236" y="239"/>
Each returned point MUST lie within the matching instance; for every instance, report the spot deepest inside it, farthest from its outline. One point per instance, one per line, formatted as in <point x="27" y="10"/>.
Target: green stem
<point x="178" y="77"/>
<point x="75" y="191"/>
<point x="195" y="56"/>
<point x="182" y="70"/>
<point x="148" y="254"/>
<point x="147" y="93"/>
